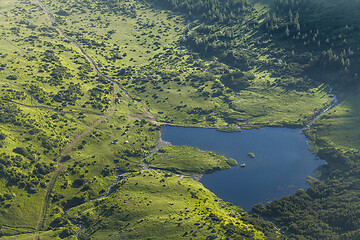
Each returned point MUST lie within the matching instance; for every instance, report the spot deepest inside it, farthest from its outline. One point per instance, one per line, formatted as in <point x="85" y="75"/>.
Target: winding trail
<point x="68" y="147"/>
<point x="111" y="109"/>
<point x="117" y="87"/>
<point x="160" y="143"/>
<point x="332" y="105"/>
<point x="80" y="50"/>
<point x="31" y="106"/>
<point x="55" y="174"/>
<point x="53" y="25"/>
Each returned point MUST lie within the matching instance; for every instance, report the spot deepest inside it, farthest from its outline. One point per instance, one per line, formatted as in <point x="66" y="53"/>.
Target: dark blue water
<point x="281" y="165"/>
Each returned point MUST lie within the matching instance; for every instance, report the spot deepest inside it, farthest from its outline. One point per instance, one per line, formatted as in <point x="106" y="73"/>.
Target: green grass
<point x="116" y="144"/>
<point x="46" y="235"/>
<point x="44" y="133"/>
<point x="36" y="126"/>
<point x="179" y="87"/>
<point x="182" y="159"/>
<point x="23" y="57"/>
<point x="274" y="106"/>
<point x="340" y="127"/>
<point x="148" y="204"/>
<point x="136" y="30"/>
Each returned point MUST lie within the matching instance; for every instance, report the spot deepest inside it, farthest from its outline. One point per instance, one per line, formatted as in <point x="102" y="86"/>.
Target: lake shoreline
<point x="282" y="159"/>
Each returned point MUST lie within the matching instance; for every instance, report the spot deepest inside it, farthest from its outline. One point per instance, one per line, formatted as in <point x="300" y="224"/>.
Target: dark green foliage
<point x="59" y="222"/>
<point x="107" y="171"/>
<point x="66" y="233"/>
<point x="208" y="10"/>
<point x="43" y="169"/>
<point x="325" y="210"/>
<point x="69" y="95"/>
<point x="75" y="201"/>
<point x="11" y="94"/>
<point x="58" y="73"/>
<point x="65" y="158"/>
<point x="62" y="13"/>
<point x="17" y="170"/>
<point x="77" y="183"/>
<point x="98" y="96"/>
<point x="38" y="93"/>
<point x="2" y="136"/>
<point x="132" y="153"/>
<point x="9" y="113"/>
<point x="49" y="56"/>
<point x="324" y="28"/>
<point x="217" y="35"/>
<point x="22" y="151"/>
<point x="237" y="80"/>
<point x="11" y="77"/>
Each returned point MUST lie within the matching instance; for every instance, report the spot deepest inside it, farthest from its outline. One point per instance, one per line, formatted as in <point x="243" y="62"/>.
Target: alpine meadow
<point x="87" y="86"/>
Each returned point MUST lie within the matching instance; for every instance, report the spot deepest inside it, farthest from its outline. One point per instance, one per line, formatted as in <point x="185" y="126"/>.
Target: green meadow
<point x="67" y="132"/>
<point x="184" y="159"/>
<point x="152" y="204"/>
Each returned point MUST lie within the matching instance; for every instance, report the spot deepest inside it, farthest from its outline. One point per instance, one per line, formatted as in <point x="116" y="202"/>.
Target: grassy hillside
<point x="65" y="131"/>
<point x="152" y="204"/>
<point x="82" y="100"/>
<point x="175" y="84"/>
<point x="52" y="106"/>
